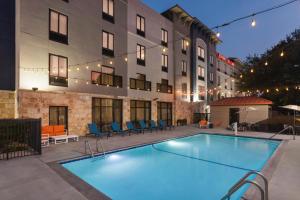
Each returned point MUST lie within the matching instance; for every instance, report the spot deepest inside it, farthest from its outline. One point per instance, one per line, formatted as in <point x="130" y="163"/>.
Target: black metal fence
<point x="19" y="138"/>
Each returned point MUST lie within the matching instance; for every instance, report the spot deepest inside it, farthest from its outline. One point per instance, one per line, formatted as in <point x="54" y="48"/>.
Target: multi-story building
<point x="226" y="77"/>
<point x="75" y="62"/>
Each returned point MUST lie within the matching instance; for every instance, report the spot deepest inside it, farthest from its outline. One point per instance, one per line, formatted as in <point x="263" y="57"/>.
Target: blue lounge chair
<point x="132" y="129"/>
<point x="93" y="130"/>
<point x="153" y="126"/>
<point x="115" y="127"/>
<point x="162" y="125"/>
<point x="143" y="126"/>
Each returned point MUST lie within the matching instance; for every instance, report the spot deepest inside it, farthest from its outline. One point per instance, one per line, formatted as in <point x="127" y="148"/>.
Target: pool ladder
<point x="264" y="194"/>
<point x="290" y="128"/>
<point x="88" y="146"/>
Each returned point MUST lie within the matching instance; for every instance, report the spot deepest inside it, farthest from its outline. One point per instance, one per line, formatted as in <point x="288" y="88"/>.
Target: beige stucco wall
<point x="220" y="114"/>
<point x="7" y="104"/>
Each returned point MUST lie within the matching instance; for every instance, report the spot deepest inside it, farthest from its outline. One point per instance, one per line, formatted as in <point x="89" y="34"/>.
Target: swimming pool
<point x="202" y="166"/>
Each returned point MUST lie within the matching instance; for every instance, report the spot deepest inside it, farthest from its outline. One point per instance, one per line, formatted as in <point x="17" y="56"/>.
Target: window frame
<point x="139" y="59"/>
<point x="184" y="46"/>
<point x="165" y="62"/>
<point x="184" y="90"/>
<point x="139" y="30"/>
<point x="106" y="50"/>
<point x="66" y="115"/>
<point x="164" y="37"/>
<point x="107" y="16"/>
<point x="57" y="36"/>
<point x="183" y="68"/>
<point x="58" y="80"/>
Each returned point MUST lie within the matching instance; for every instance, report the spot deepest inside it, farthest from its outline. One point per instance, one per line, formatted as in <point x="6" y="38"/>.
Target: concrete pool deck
<point x="32" y="178"/>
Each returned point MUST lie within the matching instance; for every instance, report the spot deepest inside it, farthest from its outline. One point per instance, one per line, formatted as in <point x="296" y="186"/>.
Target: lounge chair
<point x="143" y="126"/>
<point x="58" y="134"/>
<point x="203" y="124"/>
<point x="133" y="129"/>
<point x="115" y="127"/>
<point x="153" y="126"/>
<point x="93" y="130"/>
<point x="162" y="125"/>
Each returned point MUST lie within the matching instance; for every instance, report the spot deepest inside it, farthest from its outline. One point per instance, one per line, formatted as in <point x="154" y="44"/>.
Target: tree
<point x="275" y="74"/>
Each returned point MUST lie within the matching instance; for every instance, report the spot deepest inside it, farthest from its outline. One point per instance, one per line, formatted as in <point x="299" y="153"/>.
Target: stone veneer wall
<point x="36" y="105"/>
<point x="7" y="104"/>
<point x="183" y="110"/>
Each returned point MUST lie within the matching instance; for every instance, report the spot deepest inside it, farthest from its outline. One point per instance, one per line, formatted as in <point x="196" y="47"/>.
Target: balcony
<point x="183" y="73"/>
<point x="164" y="88"/>
<point x="109" y="80"/>
<point x="137" y="84"/>
<point x="183" y="51"/>
<point x="165" y="44"/>
<point x="164" y="68"/>
<point x="108" y="52"/>
<point x="57" y="37"/>
<point x="58" y="81"/>
<point x="141" y="62"/>
<point x="200" y="58"/>
<point x="201" y="78"/>
<point x="108" y="17"/>
<point x="140" y="32"/>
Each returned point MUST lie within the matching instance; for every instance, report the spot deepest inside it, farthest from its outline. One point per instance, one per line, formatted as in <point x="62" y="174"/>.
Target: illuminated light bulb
<point x="98" y="65"/>
<point x="87" y="82"/>
<point x="252" y="70"/>
<point x="76" y="81"/>
<point x="126" y="59"/>
<point x="218" y="34"/>
<point x="253" y="23"/>
<point x="69" y="70"/>
<point x="266" y="63"/>
<point x="277" y="89"/>
<point x="287" y="89"/>
<point x="282" y="54"/>
<point x="241" y="76"/>
<point x="77" y="68"/>
<point x="268" y="91"/>
<point x="111" y="62"/>
<point x="232" y="80"/>
<point x="107" y="85"/>
<point x="187" y="43"/>
<point x="87" y="67"/>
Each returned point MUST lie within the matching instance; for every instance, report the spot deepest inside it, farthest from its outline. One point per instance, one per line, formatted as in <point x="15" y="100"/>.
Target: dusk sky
<point x="239" y="39"/>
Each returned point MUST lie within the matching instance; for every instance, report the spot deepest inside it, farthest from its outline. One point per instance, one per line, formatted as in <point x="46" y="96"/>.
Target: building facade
<point x="73" y="63"/>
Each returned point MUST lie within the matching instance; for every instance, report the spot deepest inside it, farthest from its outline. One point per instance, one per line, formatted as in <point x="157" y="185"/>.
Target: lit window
<point x="183" y="68"/>
<point x="184" y="45"/>
<point x="184" y="90"/>
<point x="108" y="7"/>
<point x="140" y="25"/>
<point x="201" y="53"/>
<point x="58" y="70"/>
<point x="164" y="37"/>
<point x="201" y="72"/>
<point x="58" y="27"/>
<point x="140" y="54"/>
<point x="164" y="62"/>
<point x="107" y="43"/>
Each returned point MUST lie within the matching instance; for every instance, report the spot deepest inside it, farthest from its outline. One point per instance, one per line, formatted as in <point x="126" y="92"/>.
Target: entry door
<point x="234" y="115"/>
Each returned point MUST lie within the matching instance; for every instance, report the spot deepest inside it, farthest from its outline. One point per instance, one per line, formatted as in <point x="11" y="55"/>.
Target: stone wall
<point x="183" y="110"/>
<point x="7" y="104"/>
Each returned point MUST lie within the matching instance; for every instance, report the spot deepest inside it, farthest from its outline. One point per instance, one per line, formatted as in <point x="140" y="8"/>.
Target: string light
<point x="98" y="65"/>
<point x="164" y="50"/>
<point x="252" y="70"/>
<point x="287" y="89"/>
<point x="266" y="63"/>
<point x="77" y="68"/>
<point x="253" y="23"/>
<point x="87" y="67"/>
<point x="126" y="59"/>
<point x="281" y="54"/>
<point x="111" y="62"/>
<point x="218" y="34"/>
<point x="268" y="91"/>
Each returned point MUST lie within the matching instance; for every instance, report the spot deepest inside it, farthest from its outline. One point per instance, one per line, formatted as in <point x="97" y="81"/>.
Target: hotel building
<point x="75" y="62"/>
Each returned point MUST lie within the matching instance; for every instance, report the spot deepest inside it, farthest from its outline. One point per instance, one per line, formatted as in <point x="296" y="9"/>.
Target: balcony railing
<point x="201" y="78"/>
<point x="137" y="84"/>
<point x="201" y="58"/>
<point x="58" y="81"/>
<point x="110" y="80"/>
<point x="165" y="44"/>
<point x="108" y="17"/>
<point x="164" y="68"/>
<point x="162" y="88"/>
<point x="183" y="73"/>
<point x="108" y="52"/>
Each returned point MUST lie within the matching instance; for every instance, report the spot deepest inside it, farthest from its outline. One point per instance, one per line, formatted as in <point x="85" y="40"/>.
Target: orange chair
<point x="203" y="124"/>
<point x="59" y="130"/>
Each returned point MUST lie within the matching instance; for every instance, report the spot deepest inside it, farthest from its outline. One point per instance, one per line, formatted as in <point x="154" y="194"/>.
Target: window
<point x="140" y="25"/>
<point x="108" y="10"/>
<point x="211" y="76"/>
<point x="164" y="112"/>
<point x="58" y="30"/>
<point x="140" y="110"/>
<point x="164" y="37"/>
<point x="58" y="115"/>
<point x="225" y="83"/>
<point x="140" y="54"/>
<point x="107" y="44"/>
<point x="164" y="63"/>
<point x="106" y="77"/>
<point x="184" y="45"/>
<point x="164" y="87"/>
<point x="211" y="60"/>
<point x="183" y="68"/>
<point x="58" y="70"/>
<point x="201" y="92"/>
<point x="140" y="83"/>
<point x="184" y="90"/>
<point x="106" y="111"/>
<point x="201" y="53"/>
<point x="219" y="80"/>
<point x="225" y="69"/>
<point x="201" y="73"/>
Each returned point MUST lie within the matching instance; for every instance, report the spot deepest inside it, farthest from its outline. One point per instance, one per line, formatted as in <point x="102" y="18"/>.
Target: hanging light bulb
<point x="111" y="62"/>
<point x="77" y="68"/>
<point x="282" y="54"/>
<point x="98" y="65"/>
<point x="218" y="34"/>
<point x="266" y="63"/>
<point x="164" y="50"/>
<point x="252" y="70"/>
<point x="126" y="59"/>
<point x="87" y="67"/>
<point x="268" y="90"/>
<point x="253" y="23"/>
<point x="241" y="76"/>
<point x="287" y="89"/>
<point x="277" y="89"/>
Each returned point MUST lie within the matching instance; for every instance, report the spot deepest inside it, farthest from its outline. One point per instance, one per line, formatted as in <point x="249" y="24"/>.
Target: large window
<point x="140" y="110"/>
<point x="140" y="54"/>
<point x="140" y="83"/>
<point x="108" y="10"/>
<point x="201" y="53"/>
<point x="107" y="44"/>
<point x="58" y="30"/>
<point x="164" y="112"/>
<point x="184" y="90"/>
<point x="211" y="77"/>
<point x="164" y="37"/>
<point x="58" y="115"/>
<point x="201" y="73"/>
<point x="201" y="92"/>
<point x="211" y="60"/>
<point x="58" y="70"/>
<point x="140" y="25"/>
<point x="106" y="77"/>
<point x="183" y="68"/>
<point x="164" y="63"/>
<point x="106" y="111"/>
<point x="164" y="87"/>
<point x="184" y="45"/>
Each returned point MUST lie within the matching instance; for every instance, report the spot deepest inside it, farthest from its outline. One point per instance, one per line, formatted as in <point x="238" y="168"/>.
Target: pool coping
<point x="92" y="193"/>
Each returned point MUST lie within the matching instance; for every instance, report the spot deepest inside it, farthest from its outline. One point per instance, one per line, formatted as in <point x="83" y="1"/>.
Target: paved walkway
<point x="31" y="178"/>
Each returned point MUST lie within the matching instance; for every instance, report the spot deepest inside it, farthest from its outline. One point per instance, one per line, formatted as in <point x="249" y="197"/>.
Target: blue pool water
<point x="200" y="167"/>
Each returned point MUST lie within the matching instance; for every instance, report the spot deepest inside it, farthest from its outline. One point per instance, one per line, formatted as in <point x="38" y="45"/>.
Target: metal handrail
<point x="244" y="180"/>
<point x="262" y="193"/>
<point x="87" y="143"/>
<point x="103" y="151"/>
<point x="286" y="128"/>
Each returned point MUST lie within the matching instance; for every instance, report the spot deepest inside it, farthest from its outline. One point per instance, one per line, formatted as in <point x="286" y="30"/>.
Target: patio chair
<point x="153" y="126"/>
<point x="162" y="125"/>
<point x="203" y="124"/>
<point x="115" y="127"/>
<point x="133" y="129"/>
<point x="93" y="130"/>
<point x="143" y="125"/>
